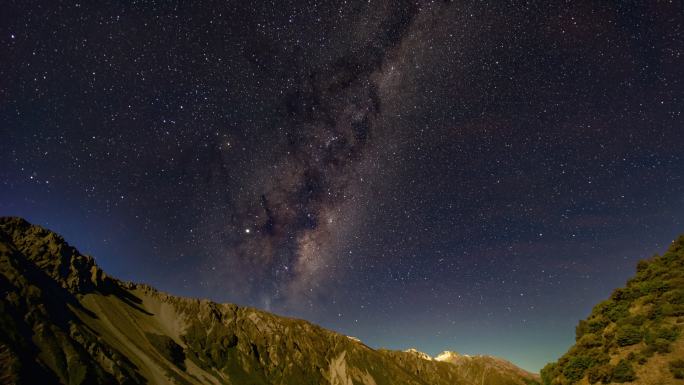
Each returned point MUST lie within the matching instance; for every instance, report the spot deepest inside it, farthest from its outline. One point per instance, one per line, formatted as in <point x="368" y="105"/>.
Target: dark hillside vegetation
<point x="636" y="330"/>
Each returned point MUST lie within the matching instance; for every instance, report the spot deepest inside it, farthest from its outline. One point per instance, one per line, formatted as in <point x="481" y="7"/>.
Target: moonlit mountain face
<point x="66" y="321"/>
<point x="464" y="176"/>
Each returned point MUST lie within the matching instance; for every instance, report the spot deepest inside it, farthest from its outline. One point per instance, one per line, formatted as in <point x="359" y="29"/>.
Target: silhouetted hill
<point x="635" y="336"/>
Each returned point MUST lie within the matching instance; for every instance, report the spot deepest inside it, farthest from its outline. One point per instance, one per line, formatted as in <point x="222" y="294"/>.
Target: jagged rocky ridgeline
<point x="63" y="320"/>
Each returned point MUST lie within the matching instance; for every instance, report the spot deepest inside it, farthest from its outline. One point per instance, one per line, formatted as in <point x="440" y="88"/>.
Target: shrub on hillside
<point x="601" y="373"/>
<point x="655" y="312"/>
<point x="634" y="320"/>
<point x="642" y="265"/>
<point x="655" y="286"/>
<point x="616" y="310"/>
<point x="667" y="333"/>
<point x="675" y="297"/>
<point x="548" y="373"/>
<point x="671" y="310"/>
<point x="660" y="345"/>
<point x="660" y="338"/>
<point x="641" y="359"/>
<point x="594" y="325"/>
<point x="581" y="329"/>
<point x="677" y="368"/>
<point x="590" y="340"/>
<point x="576" y="366"/>
<point x="628" y="335"/>
<point x="623" y="372"/>
<point x="626" y="294"/>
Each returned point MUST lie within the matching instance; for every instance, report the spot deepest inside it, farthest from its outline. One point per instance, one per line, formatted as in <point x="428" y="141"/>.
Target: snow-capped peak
<point x="418" y="353"/>
<point x="447" y="355"/>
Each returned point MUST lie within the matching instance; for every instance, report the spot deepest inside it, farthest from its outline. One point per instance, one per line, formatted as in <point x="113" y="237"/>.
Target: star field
<point x="471" y="176"/>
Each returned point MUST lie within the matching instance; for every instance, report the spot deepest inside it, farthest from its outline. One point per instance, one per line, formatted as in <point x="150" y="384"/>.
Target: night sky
<point x="471" y="176"/>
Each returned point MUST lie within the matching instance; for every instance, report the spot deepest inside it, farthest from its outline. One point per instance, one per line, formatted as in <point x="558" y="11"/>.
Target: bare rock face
<point x="52" y="255"/>
<point x="63" y="320"/>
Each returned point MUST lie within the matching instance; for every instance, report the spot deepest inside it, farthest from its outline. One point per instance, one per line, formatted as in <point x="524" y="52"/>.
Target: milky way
<point x="469" y="176"/>
<point x="300" y="207"/>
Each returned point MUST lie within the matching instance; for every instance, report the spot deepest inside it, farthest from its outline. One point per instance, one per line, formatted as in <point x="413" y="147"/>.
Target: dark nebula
<point x="305" y="199"/>
<point x="471" y="176"/>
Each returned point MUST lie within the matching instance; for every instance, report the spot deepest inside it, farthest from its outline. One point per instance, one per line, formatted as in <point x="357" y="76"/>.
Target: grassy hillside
<point x="63" y="320"/>
<point x="634" y="336"/>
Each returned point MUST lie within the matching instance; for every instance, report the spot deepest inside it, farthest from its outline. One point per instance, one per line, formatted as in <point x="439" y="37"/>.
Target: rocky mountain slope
<point x="63" y="320"/>
<point x="477" y="367"/>
<point x="636" y="335"/>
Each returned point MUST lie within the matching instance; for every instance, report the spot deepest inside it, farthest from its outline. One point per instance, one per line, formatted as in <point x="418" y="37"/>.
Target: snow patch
<point x="354" y="339"/>
<point x="418" y="353"/>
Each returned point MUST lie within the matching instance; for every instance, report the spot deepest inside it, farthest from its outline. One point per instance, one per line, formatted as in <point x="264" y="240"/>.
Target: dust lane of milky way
<point x="298" y="226"/>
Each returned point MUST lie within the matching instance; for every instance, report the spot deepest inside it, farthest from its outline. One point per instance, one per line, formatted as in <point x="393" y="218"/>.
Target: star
<point x="452" y="146"/>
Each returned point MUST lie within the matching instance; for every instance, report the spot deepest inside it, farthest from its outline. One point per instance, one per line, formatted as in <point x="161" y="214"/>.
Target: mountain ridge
<point x="64" y="320"/>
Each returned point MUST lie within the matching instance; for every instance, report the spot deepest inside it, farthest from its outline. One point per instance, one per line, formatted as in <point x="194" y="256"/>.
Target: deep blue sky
<point x="468" y="176"/>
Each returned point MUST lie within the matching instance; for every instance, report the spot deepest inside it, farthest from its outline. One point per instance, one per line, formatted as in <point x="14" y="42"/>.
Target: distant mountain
<point x="63" y="320"/>
<point x="636" y="335"/>
<point x="471" y="369"/>
<point x="477" y="367"/>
